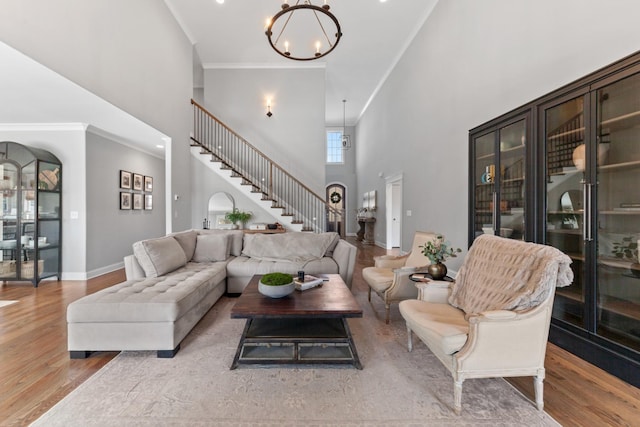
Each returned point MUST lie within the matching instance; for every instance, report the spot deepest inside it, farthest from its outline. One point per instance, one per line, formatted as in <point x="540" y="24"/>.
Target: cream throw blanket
<point x="297" y="247"/>
<point x="505" y="274"/>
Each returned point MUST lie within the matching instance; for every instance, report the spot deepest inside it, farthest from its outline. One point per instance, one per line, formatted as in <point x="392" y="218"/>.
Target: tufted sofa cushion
<point x="157" y="299"/>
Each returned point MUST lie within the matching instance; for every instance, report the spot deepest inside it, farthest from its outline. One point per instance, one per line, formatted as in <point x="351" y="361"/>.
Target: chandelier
<point x="303" y="31"/>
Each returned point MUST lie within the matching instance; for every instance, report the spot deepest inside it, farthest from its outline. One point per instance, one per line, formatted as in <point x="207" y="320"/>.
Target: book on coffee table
<point x="309" y="282"/>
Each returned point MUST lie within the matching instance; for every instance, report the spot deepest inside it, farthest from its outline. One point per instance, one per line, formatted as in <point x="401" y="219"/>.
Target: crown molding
<point x="257" y="66"/>
<point x="123" y="141"/>
<point x="41" y="127"/>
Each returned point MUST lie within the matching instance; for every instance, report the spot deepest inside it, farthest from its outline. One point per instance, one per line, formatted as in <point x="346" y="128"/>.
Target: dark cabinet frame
<point x="615" y="358"/>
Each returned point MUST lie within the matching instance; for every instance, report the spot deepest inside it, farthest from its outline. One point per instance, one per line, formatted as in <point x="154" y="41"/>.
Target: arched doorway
<point x="336" y="197"/>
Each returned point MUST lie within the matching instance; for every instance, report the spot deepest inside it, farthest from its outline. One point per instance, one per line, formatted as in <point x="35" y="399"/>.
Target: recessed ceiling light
<point x="159" y="146"/>
<point x="220" y="1"/>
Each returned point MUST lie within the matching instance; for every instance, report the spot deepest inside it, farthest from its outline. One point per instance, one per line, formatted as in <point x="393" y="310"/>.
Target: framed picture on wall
<point x="125" y="179"/>
<point x="148" y="202"/>
<point x="125" y="200"/>
<point x="137" y="181"/>
<point x="137" y="200"/>
<point x="148" y="184"/>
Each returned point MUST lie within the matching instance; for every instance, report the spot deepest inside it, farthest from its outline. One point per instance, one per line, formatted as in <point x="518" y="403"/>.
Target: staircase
<point x="268" y="184"/>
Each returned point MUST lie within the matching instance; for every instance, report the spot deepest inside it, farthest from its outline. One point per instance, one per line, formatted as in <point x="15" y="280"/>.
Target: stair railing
<point x="263" y="174"/>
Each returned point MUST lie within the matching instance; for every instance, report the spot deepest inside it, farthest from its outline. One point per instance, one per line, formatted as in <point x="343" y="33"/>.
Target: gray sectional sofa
<point x="172" y="282"/>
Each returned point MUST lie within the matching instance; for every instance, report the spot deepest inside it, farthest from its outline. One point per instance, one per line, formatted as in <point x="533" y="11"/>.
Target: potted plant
<point x="276" y="285"/>
<point x="438" y="251"/>
<point x="237" y="216"/>
<point x="628" y="250"/>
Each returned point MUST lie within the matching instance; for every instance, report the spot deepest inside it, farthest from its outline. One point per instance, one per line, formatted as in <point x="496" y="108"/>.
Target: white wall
<point x="111" y="231"/>
<point x="67" y="143"/>
<point x="130" y="53"/>
<point x="206" y="182"/>
<point x="471" y="62"/>
<point x="294" y="136"/>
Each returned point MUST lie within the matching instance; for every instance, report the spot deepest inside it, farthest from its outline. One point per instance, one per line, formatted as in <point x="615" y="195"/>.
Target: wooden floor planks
<point x="36" y="372"/>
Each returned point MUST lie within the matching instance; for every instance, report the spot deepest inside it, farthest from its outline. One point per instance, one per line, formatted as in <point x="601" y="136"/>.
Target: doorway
<point x="394" y="211"/>
<point x="336" y="197"/>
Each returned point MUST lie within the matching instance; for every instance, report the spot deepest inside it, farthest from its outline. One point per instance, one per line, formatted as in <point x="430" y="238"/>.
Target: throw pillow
<point x="186" y="239"/>
<point x="235" y="239"/>
<point x="159" y="256"/>
<point x="211" y="247"/>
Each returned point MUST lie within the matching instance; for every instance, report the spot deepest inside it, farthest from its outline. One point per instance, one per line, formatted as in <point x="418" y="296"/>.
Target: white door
<point x="394" y="211"/>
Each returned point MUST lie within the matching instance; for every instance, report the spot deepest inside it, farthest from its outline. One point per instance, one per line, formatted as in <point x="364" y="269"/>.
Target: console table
<point x="366" y="234"/>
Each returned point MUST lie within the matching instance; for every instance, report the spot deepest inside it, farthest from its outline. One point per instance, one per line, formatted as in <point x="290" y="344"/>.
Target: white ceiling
<point x="375" y="34"/>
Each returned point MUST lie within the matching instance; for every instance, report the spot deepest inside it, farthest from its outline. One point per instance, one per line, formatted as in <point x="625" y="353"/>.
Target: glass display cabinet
<point x="31" y="213"/>
<point x="592" y="143"/>
<point x="498" y="178"/>
<point x="581" y="158"/>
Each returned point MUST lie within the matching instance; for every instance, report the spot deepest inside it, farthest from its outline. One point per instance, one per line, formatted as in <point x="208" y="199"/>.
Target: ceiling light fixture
<point x="346" y="141"/>
<point x="298" y="29"/>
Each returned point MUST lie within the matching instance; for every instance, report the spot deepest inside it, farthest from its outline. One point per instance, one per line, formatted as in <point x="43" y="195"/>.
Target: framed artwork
<point x="125" y="200"/>
<point x="137" y="181"/>
<point x="137" y="200"/>
<point x="148" y="202"/>
<point x="148" y="184"/>
<point x="125" y="180"/>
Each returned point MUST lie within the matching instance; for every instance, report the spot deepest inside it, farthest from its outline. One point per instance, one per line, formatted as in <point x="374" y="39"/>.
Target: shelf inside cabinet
<point x="489" y="156"/>
<point x="512" y="149"/>
<point x="623" y="211"/>
<point x="578" y="212"/>
<point x="571" y="231"/>
<point x="566" y="133"/>
<point x="622" y="122"/>
<point x="619" y="166"/>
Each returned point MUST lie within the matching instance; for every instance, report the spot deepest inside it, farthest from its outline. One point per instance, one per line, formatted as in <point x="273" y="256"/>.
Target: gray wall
<point x="130" y="53"/>
<point x="206" y="182"/>
<point x="294" y="136"/>
<point x="111" y="231"/>
<point x="471" y="62"/>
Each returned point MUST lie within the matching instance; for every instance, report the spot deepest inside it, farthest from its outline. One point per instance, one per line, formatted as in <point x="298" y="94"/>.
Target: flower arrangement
<point x="438" y="250"/>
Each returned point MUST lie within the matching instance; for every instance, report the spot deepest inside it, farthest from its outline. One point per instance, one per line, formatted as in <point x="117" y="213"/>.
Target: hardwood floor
<point x="36" y="372"/>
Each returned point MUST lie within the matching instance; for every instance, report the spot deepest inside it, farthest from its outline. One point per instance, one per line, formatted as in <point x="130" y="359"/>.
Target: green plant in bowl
<point x="276" y="285"/>
<point x="276" y="279"/>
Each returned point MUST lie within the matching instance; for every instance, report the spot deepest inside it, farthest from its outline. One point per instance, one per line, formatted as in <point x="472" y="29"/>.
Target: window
<point x="334" y="147"/>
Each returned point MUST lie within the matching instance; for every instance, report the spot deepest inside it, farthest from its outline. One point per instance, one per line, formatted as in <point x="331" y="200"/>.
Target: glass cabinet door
<point x="565" y="149"/>
<point x="499" y="164"/>
<point x="484" y="186"/>
<point x="618" y="211"/>
<point x="9" y="220"/>
<point x="512" y="172"/>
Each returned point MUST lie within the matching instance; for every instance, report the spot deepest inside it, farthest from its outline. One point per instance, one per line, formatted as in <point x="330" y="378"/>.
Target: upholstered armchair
<point x="389" y="277"/>
<point x="493" y="321"/>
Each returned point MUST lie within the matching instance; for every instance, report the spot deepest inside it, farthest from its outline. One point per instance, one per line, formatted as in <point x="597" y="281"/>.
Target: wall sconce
<point x="269" y="113"/>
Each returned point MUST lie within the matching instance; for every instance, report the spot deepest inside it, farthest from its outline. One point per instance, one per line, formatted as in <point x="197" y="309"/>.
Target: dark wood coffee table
<point x="305" y="327"/>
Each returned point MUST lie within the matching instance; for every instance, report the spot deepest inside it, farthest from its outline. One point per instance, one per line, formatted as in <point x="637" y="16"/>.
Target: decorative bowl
<point x="276" y="291"/>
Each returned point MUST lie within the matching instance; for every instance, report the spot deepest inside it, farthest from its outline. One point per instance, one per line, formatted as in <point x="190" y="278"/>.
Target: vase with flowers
<point x="437" y="251"/>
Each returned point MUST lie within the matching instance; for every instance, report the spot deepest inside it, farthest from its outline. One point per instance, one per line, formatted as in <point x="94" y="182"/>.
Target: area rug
<point x="4" y="303"/>
<point x="197" y="388"/>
